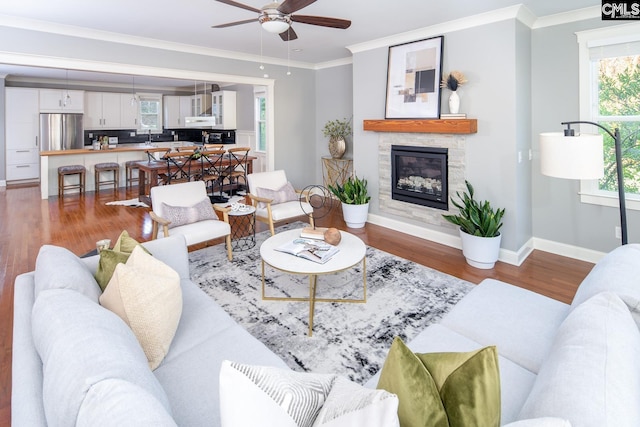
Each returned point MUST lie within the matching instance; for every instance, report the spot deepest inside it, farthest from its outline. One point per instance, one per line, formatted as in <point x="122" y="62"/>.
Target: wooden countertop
<point x="119" y="149"/>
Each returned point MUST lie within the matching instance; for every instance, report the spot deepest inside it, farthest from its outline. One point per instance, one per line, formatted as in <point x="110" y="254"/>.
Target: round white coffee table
<point x="352" y="252"/>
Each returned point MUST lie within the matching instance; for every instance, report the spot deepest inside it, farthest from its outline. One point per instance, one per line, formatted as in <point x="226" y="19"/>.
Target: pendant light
<point x="133" y="100"/>
<point x="67" y="98"/>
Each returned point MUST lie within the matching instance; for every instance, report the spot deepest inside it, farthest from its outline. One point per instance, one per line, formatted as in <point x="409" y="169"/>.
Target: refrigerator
<point x="61" y="131"/>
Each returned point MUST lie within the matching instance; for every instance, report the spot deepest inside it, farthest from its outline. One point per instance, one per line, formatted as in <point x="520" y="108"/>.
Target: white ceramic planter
<point x="480" y="252"/>
<point x="355" y="215"/>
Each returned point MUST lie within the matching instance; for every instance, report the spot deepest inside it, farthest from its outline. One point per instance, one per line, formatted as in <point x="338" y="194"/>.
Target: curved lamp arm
<point x="618" y="146"/>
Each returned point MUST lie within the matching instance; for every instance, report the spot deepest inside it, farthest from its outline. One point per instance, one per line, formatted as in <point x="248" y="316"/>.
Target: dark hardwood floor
<point x="77" y="222"/>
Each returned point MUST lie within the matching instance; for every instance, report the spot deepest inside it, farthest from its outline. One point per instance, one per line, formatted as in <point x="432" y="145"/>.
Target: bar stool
<point x="71" y="170"/>
<point x="130" y="166"/>
<point x="107" y="167"/>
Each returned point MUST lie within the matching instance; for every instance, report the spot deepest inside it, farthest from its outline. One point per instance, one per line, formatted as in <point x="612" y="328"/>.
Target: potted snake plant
<point x="479" y="225"/>
<point x="355" y="200"/>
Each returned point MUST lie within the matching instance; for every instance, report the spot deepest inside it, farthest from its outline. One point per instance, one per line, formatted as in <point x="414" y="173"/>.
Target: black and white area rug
<point x="350" y="339"/>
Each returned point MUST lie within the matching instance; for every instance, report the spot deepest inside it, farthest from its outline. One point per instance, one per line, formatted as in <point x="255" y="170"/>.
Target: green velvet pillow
<point x="109" y="258"/>
<point x="443" y="389"/>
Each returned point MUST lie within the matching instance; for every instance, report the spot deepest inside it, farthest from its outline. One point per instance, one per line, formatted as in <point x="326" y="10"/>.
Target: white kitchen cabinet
<point x="61" y="101"/>
<point x="22" y="121"/>
<point x="103" y="110"/>
<point x="200" y="104"/>
<point x="223" y="107"/>
<point x="176" y="108"/>
<point x="128" y="112"/>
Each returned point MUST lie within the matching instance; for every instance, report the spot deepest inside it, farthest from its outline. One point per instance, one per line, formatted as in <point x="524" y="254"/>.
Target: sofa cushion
<point x="118" y="403"/>
<point x="182" y="215"/>
<point x="146" y="294"/>
<point x="59" y="268"/>
<point x="509" y="317"/>
<point x="288" y="398"/>
<point x="81" y="344"/>
<point x="442" y="389"/>
<point x="618" y="272"/>
<point x="286" y="193"/>
<point x="109" y="258"/>
<point x="592" y="374"/>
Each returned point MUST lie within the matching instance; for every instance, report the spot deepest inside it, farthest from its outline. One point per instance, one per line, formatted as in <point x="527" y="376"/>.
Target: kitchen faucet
<point x="149" y="141"/>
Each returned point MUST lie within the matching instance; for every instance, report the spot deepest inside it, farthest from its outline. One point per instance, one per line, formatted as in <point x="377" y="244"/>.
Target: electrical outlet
<point x="90" y="135"/>
<point x="132" y="134"/>
<point x="618" y="233"/>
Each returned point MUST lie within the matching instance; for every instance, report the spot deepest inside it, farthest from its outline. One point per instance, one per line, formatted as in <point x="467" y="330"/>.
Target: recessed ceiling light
<point x="296" y="50"/>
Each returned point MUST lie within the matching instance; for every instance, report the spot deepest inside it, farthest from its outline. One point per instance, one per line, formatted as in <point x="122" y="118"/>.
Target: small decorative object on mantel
<point x="337" y="131"/>
<point x="452" y="81"/>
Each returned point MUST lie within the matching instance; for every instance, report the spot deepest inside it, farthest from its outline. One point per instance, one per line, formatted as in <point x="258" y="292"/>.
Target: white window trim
<point x="260" y="92"/>
<point x="589" y="191"/>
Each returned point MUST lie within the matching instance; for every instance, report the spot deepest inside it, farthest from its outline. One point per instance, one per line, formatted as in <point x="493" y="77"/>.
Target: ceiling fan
<point x="277" y="17"/>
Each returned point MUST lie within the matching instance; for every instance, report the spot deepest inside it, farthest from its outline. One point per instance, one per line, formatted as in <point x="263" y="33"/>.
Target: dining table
<point x="150" y="169"/>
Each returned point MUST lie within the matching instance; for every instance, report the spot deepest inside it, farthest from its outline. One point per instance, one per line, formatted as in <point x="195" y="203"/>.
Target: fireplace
<point x="419" y="176"/>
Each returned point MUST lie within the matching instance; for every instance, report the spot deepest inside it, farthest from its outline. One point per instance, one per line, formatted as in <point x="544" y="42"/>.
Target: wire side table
<point x="243" y="228"/>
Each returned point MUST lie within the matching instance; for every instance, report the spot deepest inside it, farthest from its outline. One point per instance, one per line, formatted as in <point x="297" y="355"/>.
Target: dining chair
<point x="239" y="156"/>
<point x="179" y="167"/>
<point x="212" y="171"/>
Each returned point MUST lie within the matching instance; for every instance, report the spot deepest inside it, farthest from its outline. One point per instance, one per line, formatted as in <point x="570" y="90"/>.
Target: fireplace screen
<point x="419" y="175"/>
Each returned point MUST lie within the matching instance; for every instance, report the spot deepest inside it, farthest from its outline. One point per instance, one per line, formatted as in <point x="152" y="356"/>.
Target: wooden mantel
<point x="459" y="126"/>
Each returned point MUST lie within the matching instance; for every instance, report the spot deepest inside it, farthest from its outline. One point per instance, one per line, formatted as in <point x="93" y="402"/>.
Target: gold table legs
<point x="313" y="282"/>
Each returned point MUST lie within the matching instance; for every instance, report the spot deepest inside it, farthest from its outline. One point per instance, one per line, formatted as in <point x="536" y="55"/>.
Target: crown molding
<point x="89" y="33"/>
<point x="567" y="17"/>
<point x="335" y="63"/>
<point x="439" y="29"/>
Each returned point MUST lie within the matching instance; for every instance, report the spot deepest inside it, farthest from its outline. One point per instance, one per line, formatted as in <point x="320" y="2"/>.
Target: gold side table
<point x="336" y="171"/>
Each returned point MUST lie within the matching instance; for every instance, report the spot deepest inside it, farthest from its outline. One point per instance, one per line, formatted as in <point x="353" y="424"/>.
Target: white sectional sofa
<point x="185" y="383"/>
<point x="578" y="362"/>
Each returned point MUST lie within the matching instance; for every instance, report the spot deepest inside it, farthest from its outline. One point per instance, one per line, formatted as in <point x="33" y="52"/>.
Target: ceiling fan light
<point x="275" y="24"/>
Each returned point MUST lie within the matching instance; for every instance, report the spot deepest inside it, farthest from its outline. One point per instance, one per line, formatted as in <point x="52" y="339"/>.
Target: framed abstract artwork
<point x="413" y="79"/>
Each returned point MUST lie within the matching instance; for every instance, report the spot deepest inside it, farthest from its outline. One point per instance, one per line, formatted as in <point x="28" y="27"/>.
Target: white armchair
<point x="283" y="205"/>
<point x="185" y="209"/>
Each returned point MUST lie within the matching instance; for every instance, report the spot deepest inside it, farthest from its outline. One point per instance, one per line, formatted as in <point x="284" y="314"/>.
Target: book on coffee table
<point x="313" y="250"/>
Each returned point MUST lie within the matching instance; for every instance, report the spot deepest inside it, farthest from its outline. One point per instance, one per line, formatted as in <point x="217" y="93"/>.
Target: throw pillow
<point x="109" y="258"/>
<point x="81" y="345"/>
<point x="59" y="268"/>
<point x="349" y="404"/>
<point x="286" y="193"/>
<point x="146" y="294"/>
<point x="443" y="389"/>
<point x="591" y="376"/>
<point x="283" y="398"/>
<point x="183" y="215"/>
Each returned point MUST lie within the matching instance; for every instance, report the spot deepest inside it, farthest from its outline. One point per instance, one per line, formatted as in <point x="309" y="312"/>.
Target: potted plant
<point x="355" y="200"/>
<point x="337" y="131"/>
<point x="479" y="226"/>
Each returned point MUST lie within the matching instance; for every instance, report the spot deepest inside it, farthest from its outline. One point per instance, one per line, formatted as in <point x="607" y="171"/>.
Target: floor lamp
<point x="580" y="156"/>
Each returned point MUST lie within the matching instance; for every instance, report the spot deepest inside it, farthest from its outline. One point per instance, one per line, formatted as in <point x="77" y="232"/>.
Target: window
<point x="261" y="121"/>
<point x="150" y="113"/>
<point x="610" y="96"/>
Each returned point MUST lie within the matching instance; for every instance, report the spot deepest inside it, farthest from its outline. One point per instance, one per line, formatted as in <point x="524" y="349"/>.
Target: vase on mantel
<point x="454" y="102"/>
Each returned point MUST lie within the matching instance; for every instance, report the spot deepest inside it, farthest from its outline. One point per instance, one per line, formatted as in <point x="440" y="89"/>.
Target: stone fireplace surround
<point x="456" y="152"/>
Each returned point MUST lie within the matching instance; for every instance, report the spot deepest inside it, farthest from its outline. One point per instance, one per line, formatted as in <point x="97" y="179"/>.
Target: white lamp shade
<point x="571" y="157"/>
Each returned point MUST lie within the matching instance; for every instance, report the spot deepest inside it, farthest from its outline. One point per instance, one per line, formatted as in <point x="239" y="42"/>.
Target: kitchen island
<point x="51" y="160"/>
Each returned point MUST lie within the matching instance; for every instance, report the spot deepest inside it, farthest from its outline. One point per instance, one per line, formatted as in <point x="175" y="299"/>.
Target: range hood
<point x="200" y="121"/>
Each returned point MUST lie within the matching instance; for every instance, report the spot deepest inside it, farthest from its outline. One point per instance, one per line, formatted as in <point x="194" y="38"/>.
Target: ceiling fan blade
<point x="232" y="24"/>
<point x="290" y="6"/>
<point x="240" y="5"/>
<point x="288" y="35"/>
<point x="322" y="21"/>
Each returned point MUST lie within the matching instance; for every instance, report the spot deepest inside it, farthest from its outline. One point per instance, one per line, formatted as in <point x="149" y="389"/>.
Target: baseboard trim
<point x="506" y="256"/>
<point x="569" y="251"/>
